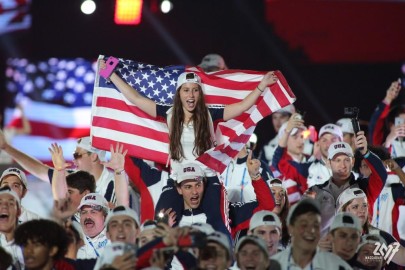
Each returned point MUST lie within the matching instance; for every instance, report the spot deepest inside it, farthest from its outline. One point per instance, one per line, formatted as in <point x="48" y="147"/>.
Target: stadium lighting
<point x="128" y="12"/>
<point x="88" y="7"/>
<point x="166" y="6"/>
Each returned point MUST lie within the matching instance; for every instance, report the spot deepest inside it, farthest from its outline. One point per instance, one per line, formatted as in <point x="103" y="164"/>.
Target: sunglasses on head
<point x="79" y="155"/>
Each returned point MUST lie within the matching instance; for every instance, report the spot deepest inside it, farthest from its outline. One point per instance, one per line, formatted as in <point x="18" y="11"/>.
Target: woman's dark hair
<point x="44" y="231"/>
<point x="201" y="125"/>
<point x="285" y="236"/>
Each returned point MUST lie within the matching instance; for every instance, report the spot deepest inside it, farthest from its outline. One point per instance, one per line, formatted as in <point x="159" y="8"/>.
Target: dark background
<point x="236" y="29"/>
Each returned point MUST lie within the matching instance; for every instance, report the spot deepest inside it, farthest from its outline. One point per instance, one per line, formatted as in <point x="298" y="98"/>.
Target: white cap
<point x="339" y="148"/>
<point x="347" y="195"/>
<point x="371" y="239"/>
<point x="346" y="220"/>
<point x="289" y="109"/>
<point x="122" y="211"/>
<point x="189" y="171"/>
<point x="254" y="240"/>
<point x="264" y="217"/>
<point x="253" y="138"/>
<point x="8" y="190"/>
<point x="332" y="129"/>
<point x="188" y="77"/>
<point x="345" y="125"/>
<point x="94" y="199"/>
<point x="275" y="182"/>
<point x="221" y="239"/>
<point x="203" y="227"/>
<point x="213" y="60"/>
<point x="293" y="131"/>
<point x="17" y="172"/>
<point x="85" y="143"/>
<point x="148" y="225"/>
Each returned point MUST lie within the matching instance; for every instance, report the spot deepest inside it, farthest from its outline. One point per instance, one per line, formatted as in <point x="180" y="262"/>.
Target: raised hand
<point x="117" y="161"/>
<point x="58" y="160"/>
<point x="361" y="142"/>
<point x="268" y="79"/>
<point x="253" y="166"/>
<point x="393" y="91"/>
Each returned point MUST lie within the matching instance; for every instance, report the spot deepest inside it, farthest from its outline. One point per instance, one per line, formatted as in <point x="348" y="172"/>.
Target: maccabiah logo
<point x="387" y="253"/>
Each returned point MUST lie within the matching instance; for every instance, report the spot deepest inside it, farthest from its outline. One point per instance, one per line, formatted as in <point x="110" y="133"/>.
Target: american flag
<point x="56" y="95"/>
<point x="114" y="118"/>
<point x="14" y="15"/>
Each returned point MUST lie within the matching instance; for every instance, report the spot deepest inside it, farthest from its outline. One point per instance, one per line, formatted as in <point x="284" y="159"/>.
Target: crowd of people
<point x="335" y="200"/>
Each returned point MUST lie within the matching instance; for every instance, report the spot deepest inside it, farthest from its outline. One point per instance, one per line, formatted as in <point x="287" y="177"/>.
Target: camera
<point x="353" y="114"/>
<point x="131" y="248"/>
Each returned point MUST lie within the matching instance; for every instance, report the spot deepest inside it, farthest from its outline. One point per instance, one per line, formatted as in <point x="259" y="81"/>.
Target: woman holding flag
<point x="190" y="121"/>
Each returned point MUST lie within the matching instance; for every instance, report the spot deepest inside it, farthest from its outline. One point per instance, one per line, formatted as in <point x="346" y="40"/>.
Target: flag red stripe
<point x="120" y="105"/>
<point x="52" y="131"/>
<point x="146" y="152"/>
<point x="129" y="128"/>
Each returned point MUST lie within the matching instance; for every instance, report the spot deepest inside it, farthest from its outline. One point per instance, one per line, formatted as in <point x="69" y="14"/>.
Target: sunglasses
<point x="79" y="155"/>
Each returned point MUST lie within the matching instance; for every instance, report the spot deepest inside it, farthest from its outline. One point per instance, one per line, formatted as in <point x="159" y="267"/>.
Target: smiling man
<point x="122" y="225"/>
<point x="304" y="225"/>
<point x="9" y="213"/>
<point x="267" y="226"/>
<point x="93" y="210"/>
<point x="17" y="181"/>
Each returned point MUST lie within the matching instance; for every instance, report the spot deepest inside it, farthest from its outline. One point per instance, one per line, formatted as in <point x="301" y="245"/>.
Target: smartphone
<point x="131" y="248"/>
<point x="162" y="218"/>
<point x="111" y="63"/>
<point x="399" y="121"/>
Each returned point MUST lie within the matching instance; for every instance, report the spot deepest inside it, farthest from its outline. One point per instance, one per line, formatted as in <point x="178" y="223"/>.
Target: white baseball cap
<point x="339" y="148"/>
<point x="188" y="77"/>
<point x="8" y="190"/>
<point x="94" y="199"/>
<point x="346" y="220"/>
<point x="264" y="217"/>
<point x="85" y="143"/>
<point x="203" y="227"/>
<point x="347" y="195"/>
<point x="221" y="239"/>
<point x="17" y="172"/>
<point x="332" y="129"/>
<point x="189" y="171"/>
<point x="213" y="60"/>
<point x="289" y="109"/>
<point x="345" y="125"/>
<point x="253" y="240"/>
<point x="122" y="211"/>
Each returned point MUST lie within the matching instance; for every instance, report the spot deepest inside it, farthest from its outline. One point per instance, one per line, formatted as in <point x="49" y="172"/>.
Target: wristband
<point x="119" y="172"/>
<point x="366" y="154"/>
<point x="256" y="177"/>
<point x="259" y="89"/>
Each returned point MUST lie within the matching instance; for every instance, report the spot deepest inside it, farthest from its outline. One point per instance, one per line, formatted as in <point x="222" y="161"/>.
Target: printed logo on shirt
<point x="382" y="251"/>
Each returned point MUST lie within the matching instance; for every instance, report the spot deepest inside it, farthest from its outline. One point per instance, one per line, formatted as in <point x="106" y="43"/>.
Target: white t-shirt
<point x="27" y="215"/>
<point x="187" y="141"/>
<point x="103" y="182"/>
<point x="321" y="260"/>
<point x="14" y="250"/>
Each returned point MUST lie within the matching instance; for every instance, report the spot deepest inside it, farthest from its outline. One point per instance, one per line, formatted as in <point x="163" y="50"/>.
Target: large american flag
<point x="56" y="95"/>
<point x="114" y="118"/>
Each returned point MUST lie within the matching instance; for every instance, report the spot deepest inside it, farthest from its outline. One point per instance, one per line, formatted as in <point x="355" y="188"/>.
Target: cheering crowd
<point x="331" y="199"/>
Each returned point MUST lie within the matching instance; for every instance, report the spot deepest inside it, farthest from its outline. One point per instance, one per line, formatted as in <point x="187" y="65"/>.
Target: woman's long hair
<point x="201" y="125"/>
<point x="285" y="236"/>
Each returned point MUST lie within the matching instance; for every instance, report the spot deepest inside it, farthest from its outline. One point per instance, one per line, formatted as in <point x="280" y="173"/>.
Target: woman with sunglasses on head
<point x="354" y="200"/>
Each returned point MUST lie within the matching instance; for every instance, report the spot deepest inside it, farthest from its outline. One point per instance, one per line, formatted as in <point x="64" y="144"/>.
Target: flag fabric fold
<point x="114" y="118"/>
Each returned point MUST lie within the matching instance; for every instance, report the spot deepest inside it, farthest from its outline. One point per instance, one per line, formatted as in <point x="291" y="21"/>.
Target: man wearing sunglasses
<point x="85" y="157"/>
